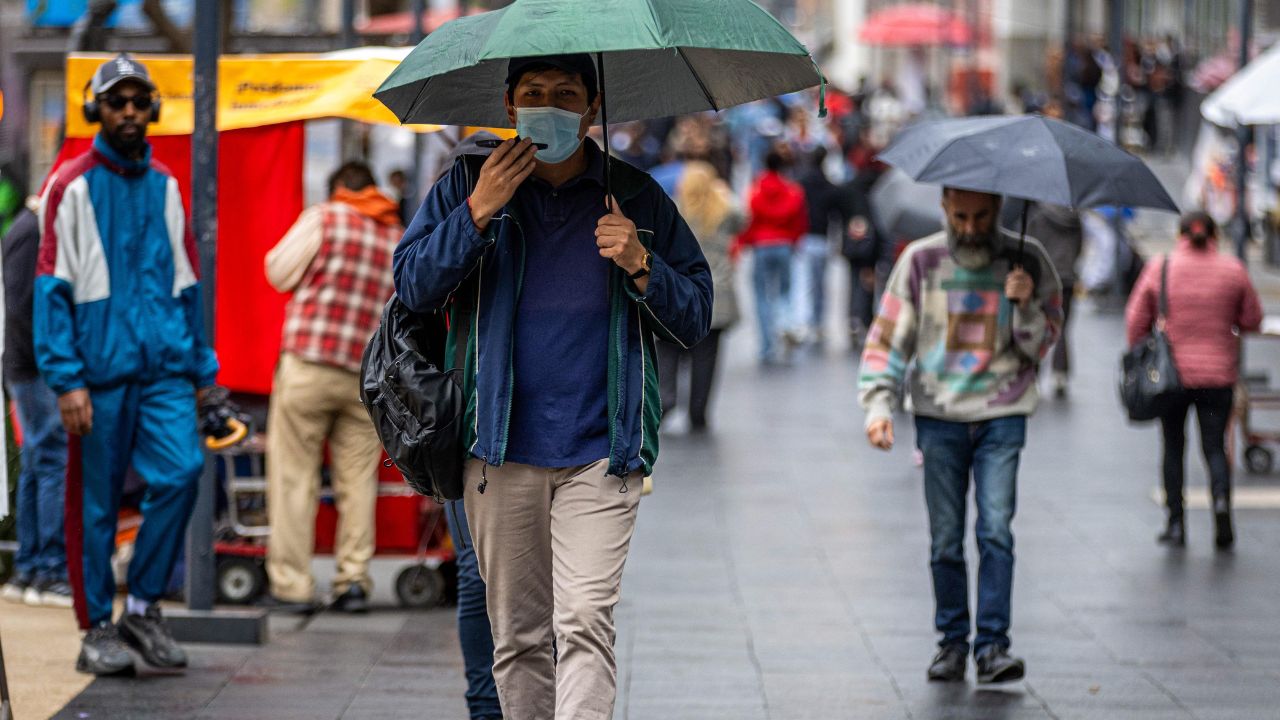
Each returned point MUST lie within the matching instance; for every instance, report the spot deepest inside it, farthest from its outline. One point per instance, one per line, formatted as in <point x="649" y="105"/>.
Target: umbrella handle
<point x="604" y="124"/>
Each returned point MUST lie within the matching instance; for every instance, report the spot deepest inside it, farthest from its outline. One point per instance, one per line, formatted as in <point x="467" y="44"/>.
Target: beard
<point x="972" y="251"/>
<point x="128" y="139"/>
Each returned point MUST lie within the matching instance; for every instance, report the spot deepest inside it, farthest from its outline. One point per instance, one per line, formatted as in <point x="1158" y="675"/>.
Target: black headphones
<point x="93" y="113"/>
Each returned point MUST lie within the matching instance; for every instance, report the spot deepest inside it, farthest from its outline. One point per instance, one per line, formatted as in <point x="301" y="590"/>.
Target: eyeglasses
<point x="141" y="103"/>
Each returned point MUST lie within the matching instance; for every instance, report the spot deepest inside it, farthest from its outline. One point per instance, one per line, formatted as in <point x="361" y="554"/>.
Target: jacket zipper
<point x="619" y="384"/>
<point x="511" y="372"/>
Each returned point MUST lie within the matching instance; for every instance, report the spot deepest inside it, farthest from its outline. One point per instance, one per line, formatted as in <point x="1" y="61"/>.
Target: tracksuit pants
<point x="153" y="428"/>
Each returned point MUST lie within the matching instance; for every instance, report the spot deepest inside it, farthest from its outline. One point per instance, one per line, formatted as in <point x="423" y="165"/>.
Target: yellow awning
<point x="255" y="90"/>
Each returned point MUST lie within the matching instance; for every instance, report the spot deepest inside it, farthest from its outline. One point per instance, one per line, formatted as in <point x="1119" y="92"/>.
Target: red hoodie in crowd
<point x="779" y="214"/>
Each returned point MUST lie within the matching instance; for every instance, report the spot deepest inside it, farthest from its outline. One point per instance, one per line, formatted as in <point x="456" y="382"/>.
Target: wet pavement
<point x="780" y="572"/>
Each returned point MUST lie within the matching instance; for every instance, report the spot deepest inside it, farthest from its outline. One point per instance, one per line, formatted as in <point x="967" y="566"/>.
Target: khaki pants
<point x="309" y="404"/>
<point x="551" y="544"/>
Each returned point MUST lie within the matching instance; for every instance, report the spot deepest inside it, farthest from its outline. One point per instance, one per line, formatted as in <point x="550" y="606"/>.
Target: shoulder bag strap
<point x="1164" y="291"/>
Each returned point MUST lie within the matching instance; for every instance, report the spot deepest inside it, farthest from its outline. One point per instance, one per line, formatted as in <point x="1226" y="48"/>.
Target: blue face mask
<point x="557" y="128"/>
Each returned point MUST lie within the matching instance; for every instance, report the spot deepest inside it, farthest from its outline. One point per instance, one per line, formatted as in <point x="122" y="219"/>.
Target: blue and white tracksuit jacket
<point x="118" y="311"/>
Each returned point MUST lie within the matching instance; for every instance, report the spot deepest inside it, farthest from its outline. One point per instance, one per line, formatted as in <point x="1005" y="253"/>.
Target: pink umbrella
<point x="915" y="24"/>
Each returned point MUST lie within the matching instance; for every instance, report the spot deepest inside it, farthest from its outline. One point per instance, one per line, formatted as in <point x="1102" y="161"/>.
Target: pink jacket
<point x="1210" y="296"/>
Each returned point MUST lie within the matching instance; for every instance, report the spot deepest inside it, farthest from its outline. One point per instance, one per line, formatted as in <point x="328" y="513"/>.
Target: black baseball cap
<point x="579" y="63"/>
<point x="118" y="69"/>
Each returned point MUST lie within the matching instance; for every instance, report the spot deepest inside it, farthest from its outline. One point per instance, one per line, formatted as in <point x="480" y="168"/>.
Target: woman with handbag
<point x="707" y="204"/>
<point x="1210" y="302"/>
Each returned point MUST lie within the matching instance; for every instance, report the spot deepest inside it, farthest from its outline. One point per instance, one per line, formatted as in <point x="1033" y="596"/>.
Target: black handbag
<point x="417" y="407"/>
<point x="1149" y="378"/>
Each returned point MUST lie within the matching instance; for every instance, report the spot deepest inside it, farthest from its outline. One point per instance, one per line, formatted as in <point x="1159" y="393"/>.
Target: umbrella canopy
<point x="659" y="58"/>
<point x="906" y="209"/>
<point x="1029" y="157"/>
<point x="915" y="24"/>
<point x="1249" y="97"/>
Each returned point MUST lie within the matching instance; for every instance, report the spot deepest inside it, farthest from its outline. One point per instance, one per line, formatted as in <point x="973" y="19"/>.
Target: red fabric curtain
<point x="259" y="197"/>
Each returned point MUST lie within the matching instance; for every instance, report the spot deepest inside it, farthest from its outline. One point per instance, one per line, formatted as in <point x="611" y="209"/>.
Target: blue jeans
<point x="474" y="632"/>
<point x="771" y="275"/>
<point x="810" y="281"/>
<point x="990" y="451"/>
<point x="42" y="552"/>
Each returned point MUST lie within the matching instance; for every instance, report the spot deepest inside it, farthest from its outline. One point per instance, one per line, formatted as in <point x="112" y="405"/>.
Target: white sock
<point x="136" y="606"/>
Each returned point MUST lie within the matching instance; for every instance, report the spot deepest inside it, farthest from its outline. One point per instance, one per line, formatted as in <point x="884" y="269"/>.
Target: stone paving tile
<point x="780" y="572"/>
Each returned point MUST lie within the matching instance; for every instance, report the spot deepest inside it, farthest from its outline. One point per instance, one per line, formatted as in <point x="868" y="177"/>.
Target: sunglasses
<point x="141" y="103"/>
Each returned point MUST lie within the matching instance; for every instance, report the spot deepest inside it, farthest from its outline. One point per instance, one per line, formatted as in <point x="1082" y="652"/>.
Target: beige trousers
<point x="551" y="544"/>
<point x="311" y="403"/>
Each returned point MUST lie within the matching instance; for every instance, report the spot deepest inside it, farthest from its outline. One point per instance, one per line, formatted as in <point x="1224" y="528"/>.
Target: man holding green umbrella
<point x="560" y="299"/>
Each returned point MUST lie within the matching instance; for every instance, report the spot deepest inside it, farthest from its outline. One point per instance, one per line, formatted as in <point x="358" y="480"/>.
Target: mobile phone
<point x="491" y="144"/>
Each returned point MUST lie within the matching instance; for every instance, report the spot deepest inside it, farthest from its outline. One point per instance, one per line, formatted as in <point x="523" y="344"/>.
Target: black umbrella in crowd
<point x="1029" y="157"/>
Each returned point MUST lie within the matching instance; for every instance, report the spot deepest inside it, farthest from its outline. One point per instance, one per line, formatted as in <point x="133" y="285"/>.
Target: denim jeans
<point x="810" y="289"/>
<point x="42" y="553"/>
<point x="989" y="451"/>
<point x="474" y="632"/>
<point x="771" y="276"/>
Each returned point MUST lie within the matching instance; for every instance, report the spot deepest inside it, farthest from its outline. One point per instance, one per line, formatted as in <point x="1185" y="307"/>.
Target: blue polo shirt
<point x="559" y="407"/>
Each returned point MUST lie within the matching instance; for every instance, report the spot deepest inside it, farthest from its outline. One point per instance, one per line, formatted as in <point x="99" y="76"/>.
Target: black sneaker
<point x="150" y="637"/>
<point x="352" y="600"/>
<point x="949" y="664"/>
<point x="996" y="665"/>
<point x="54" y="593"/>
<point x="273" y="604"/>
<point x="103" y="653"/>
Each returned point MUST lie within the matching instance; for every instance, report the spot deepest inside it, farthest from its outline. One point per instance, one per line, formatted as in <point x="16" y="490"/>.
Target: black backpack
<point x="417" y="408"/>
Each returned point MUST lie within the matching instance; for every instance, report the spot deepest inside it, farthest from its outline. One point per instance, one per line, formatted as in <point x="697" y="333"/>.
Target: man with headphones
<point x="119" y="337"/>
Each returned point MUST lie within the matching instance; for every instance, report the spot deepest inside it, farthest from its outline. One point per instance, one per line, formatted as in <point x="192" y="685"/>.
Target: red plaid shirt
<point x="338" y="304"/>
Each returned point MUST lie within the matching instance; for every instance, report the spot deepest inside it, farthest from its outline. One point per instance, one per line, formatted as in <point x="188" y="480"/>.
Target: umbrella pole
<point x="604" y="124"/>
<point x="1022" y="238"/>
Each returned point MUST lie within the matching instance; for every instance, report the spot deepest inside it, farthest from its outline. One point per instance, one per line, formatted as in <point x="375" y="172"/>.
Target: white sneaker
<point x="56" y="594"/>
<point x="13" y="590"/>
<point x="31" y="596"/>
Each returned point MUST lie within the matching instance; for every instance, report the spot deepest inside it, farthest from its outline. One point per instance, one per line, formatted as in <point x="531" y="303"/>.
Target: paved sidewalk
<point x="780" y="572"/>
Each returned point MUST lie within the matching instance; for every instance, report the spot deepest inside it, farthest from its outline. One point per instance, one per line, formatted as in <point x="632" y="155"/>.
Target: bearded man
<point x="977" y="312"/>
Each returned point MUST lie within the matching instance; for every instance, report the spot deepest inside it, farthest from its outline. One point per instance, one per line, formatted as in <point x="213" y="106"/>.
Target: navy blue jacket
<point x="444" y="263"/>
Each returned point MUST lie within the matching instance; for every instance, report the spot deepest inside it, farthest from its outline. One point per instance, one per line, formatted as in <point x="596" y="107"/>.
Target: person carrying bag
<point x="1189" y="311"/>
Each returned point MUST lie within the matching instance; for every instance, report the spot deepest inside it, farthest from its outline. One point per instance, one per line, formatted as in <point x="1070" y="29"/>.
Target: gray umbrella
<point x="904" y="208"/>
<point x="1029" y="157"/>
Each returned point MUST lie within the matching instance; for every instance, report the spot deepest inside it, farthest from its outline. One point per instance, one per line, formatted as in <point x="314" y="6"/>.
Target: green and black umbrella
<point x="654" y="58"/>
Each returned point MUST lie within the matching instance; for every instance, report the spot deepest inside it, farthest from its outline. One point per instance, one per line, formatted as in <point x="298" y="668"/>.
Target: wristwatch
<point x="644" y="268"/>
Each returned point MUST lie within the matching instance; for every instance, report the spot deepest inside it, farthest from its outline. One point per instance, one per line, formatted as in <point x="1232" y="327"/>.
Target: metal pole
<point x="1244" y="135"/>
<point x="204" y="224"/>
<point x="348" y="36"/>
<point x="418" y="184"/>
<point x="1117" y="225"/>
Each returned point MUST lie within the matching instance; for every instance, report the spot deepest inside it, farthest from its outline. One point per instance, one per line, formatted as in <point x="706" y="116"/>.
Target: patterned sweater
<point x="976" y="354"/>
